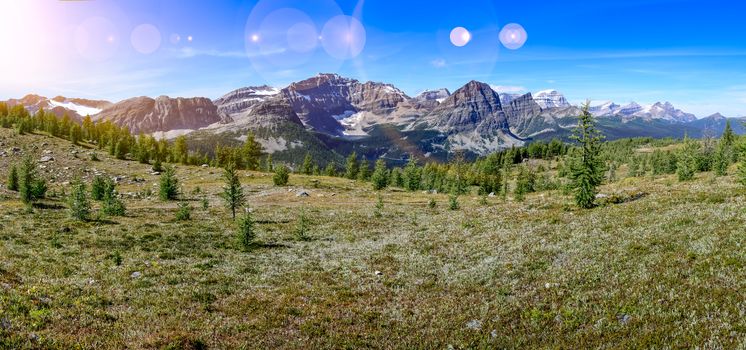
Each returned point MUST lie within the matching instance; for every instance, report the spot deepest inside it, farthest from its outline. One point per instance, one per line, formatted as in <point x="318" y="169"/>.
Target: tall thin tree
<point x="232" y="191"/>
<point x="587" y="168"/>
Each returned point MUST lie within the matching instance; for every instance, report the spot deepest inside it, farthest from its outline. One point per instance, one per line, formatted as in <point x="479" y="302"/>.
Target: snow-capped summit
<point x="241" y="100"/>
<point x="434" y="95"/>
<point x="551" y="99"/>
<point x="667" y="111"/>
<point x="604" y="109"/>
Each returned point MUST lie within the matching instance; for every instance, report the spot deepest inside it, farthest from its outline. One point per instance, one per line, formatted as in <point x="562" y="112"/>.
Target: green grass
<point x="662" y="271"/>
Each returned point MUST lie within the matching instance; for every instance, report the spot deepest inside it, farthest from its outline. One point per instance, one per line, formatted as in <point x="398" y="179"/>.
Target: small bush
<point x="184" y="212"/>
<point x="98" y="187"/>
<point x="301" y="230"/>
<point x="246" y="233"/>
<point x="379" y="207"/>
<point x="94" y="157"/>
<point x="80" y="208"/>
<point x="453" y="203"/>
<point x="282" y="175"/>
<point x="432" y="204"/>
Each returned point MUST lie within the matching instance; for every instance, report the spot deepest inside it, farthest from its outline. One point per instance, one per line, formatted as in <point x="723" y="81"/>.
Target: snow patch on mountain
<point x="550" y="99"/>
<point x="81" y="110"/>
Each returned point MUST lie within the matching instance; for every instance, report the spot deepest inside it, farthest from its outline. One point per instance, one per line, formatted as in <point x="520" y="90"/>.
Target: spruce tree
<point x="80" y="208"/>
<point x="13" y="178"/>
<point x="380" y="177"/>
<point x="232" y="191"/>
<point x="331" y="169"/>
<point x="30" y="187"/>
<point x="98" y="187"/>
<point x="686" y="163"/>
<point x="307" y="167"/>
<point x="169" y="184"/>
<point x="412" y="176"/>
<point x="587" y="168"/>
<point x="246" y="232"/>
<point x="251" y="152"/>
<point x="282" y="175"/>
<point x="352" y="167"/>
<point x="720" y="161"/>
<point x="364" y="170"/>
<point x="110" y="203"/>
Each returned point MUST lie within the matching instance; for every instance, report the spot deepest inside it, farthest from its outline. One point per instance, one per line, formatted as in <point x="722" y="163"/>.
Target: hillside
<point x="661" y="270"/>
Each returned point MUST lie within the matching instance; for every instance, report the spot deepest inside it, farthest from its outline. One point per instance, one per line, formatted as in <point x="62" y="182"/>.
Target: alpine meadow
<point x="347" y="174"/>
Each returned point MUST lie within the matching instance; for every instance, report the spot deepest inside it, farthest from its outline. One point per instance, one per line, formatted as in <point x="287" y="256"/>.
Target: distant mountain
<point x="75" y="108"/>
<point x="659" y="110"/>
<point x="330" y="116"/>
<point x="551" y="99"/>
<point x="163" y="114"/>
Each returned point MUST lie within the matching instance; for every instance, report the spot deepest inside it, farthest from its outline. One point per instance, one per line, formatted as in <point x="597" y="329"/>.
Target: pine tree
<point x="98" y="187"/>
<point x="282" y="175"/>
<point x="380" y="177"/>
<point x="352" y="167"/>
<point x="169" y="184"/>
<point x="331" y="169"/>
<point x="686" y="163"/>
<point x="307" y="167"/>
<point x="232" y="191"/>
<point x="180" y="150"/>
<point x="587" y="169"/>
<point x="412" y="176"/>
<point x="80" y="208"/>
<point x="246" y="232"/>
<point x="13" y="178"/>
<point x="30" y="187"/>
<point x="111" y="204"/>
<point x="268" y="166"/>
<point x="364" y="170"/>
<point x="252" y="152"/>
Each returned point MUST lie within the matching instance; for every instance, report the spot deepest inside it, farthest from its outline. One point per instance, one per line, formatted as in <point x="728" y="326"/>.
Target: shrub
<point x="453" y="203"/>
<point x="246" y="233"/>
<point x="112" y="205"/>
<point x="98" y="187"/>
<point x="301" y="229"/>
<point x="379" y="207"/>
<point x="282" y="175"/>
<point x="432" y="204"/>
<point x="169" y="184"/>
<point x="184" y="212"/>
<point x="80" y="208"/>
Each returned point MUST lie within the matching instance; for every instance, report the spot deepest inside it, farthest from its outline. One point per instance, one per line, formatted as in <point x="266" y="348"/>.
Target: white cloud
<point x="508" y="89"/>
<point x="438" y="63"/>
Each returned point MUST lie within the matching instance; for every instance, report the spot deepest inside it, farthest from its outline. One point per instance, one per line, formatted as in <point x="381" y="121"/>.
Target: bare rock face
<point x="474" y="106"/>
<point x="147" y="115"/>
<point x="376" y="98"/>
<point x="243" y="99"/>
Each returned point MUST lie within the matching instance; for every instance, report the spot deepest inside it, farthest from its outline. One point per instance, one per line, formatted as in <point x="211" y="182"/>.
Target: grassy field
<point x="662" y="271"/>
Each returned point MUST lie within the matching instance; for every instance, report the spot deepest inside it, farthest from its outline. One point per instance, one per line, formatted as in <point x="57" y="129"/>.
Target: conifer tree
<point x="169" y="184"/>
<point x="331" y="169"/>
<point x="80" y="208"/>
<point x="12" y="183"/>
<point x="412" y="176"/>
<point x="246" y="232"/>
<point x="268" y="166"/>
<point x="282" y="175"/>
<point x="232" y="191"/>
<point x="686" y="163"/>
<point x="110" y="203"/>
<point x="98" y="187"/>
<point x="307" y="167"/>
<point x="364" y="170"/>
<point x="380" y="177"/>
<point x="180" y="150"/>
<point x="352" y="167"/>
<point x="587" y="169"/>
<point x="251" y="152"/>
<point x="30" y="187"/>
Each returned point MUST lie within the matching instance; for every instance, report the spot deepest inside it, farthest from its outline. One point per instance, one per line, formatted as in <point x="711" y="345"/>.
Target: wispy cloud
<point x="508" y="89"/>
<point x="438" y="63"/>
<point x="189" y="52"/>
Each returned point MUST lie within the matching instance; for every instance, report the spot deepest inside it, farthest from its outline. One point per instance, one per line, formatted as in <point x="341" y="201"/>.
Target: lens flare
<point x="302" y="37"/>
<point x="460" y="36"/>
<point x="513" y="36"/>
<point x="175" y="38"/>
<point x="96" y="39"/>
<point x="146" y="39"/>
<point x="343" y="37"/>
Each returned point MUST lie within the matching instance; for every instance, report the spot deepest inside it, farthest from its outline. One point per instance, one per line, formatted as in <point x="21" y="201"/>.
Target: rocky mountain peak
<point x="551" y="99"/>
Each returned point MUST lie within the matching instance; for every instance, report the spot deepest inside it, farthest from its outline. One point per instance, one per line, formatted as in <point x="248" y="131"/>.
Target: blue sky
<point x="691" y="53"/>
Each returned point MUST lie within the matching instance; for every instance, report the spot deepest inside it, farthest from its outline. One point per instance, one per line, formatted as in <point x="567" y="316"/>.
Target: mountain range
<point x="331" y="116"/>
